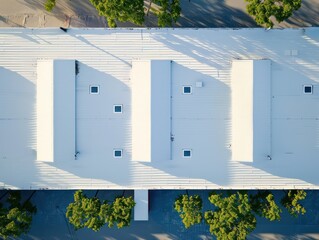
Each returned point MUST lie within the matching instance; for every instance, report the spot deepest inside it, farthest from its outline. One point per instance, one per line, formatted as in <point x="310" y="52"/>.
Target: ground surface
<point x="195" y="13"/>
<point x="50" y="223"/>
<point x="164" y="223"/>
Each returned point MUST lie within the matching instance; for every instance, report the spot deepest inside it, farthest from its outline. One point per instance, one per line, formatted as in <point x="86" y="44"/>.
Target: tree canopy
<point x="119" y="212"/>
<point x="189" y="209"/>
<point x="234" y="213"/>
<point x="232" y="217"/>
<point x="49" y="5"/>
<point x="94" y="214"/>
<point x="15" y="217"/>
<point x="120" y="10"/>
<point x="167" y="11"/>
<point x="85" y="212"/>
<point x="291" y="201"/>
<point x="263" y="10"/>
<point x="264" y="205"/>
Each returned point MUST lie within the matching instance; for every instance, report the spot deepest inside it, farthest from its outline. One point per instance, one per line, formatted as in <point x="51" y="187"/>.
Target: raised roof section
<point x="55" y="110"/>
<point x="151" y="110"/>
<point x="251" y="110"/>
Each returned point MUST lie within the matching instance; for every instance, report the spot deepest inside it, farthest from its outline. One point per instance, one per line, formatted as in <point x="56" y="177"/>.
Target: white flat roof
<point x="201" y="122"/>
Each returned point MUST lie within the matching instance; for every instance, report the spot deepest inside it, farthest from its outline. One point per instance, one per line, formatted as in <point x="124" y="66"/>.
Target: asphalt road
<point x="195" y="13"/>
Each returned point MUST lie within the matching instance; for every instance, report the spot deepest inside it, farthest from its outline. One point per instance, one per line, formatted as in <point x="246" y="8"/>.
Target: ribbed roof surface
<point x="200" y="121"/>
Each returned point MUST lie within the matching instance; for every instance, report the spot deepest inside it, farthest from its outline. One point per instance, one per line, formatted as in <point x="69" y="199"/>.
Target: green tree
<point x="16" y="217"/>
<point x="264" y="205"/>
<point x="232" y="217"/>
<point x="85" y="212"/>
<point x="189" y="209"/>
<point x="263" y="10"/>
<point x="168" y="12"/>
<point x="94" y="214"/>
<point x="291" y="202"/>
<point x="49" y="5"/>
<point x="120" y="10"/>
<point x="119" y="212"/>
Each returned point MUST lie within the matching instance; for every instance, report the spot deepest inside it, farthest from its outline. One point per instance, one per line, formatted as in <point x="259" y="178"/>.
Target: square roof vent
<point x="307" y="89"/>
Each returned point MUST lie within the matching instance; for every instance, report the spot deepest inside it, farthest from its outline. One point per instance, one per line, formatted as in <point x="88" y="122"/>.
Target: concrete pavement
<point x="195" y="13"/>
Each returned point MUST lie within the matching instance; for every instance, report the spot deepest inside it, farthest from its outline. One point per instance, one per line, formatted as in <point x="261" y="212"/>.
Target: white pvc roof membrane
<point x="202" y="122"/>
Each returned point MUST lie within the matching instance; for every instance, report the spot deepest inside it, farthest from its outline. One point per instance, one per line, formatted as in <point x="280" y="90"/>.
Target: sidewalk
<point x="195" y="13"/>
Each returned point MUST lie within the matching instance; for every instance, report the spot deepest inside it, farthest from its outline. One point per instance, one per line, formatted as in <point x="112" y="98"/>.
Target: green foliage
<point x="15" y="219"/>
<point x="262" y="10"/>
<point x="264" y="205"/>
<point x="131" y="11"/>
<point x="85" y="212"/>
<point x="120" y="10"/>
<point x="291" y="202"/>
<point x="93" y="214"/>
<point x="232" y="217"/>
<point x="189" y="209"/>
<point x="120" y="212"/>
<point x="169" y="12"/>
<point x="49" y="5"/>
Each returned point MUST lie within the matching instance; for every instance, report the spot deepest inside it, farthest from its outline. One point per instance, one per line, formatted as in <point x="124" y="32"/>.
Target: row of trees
<point x="234" y="213"/>
<point x="84" y="212"/>
<point x="168" y="11"/>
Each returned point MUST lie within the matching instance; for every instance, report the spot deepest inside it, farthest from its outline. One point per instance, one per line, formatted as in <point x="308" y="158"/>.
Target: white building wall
<point x="262" y="110"/>
<point x="160" y="110"/>
<point x="64" y="110"/>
